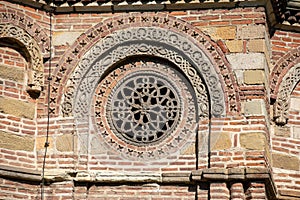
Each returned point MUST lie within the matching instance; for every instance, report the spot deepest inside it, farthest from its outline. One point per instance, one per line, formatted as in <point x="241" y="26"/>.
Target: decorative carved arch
<point x="281" y="68"/>
<point x="287" y="85"/>
<point x="83" y="44"/>
<point x="28" y="47"/>
<point x="283" y="79"/>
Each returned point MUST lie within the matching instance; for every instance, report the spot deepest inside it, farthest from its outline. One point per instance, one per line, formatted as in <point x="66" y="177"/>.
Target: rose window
<point x="144" y="110"/>
<point x="144" y="107"/>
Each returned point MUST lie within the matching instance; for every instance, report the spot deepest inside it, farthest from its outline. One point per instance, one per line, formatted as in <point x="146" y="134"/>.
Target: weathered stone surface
<point x="254" y="77"/>
<point x="235" y="46"/>
<point x="40" y="143"/>
<point x="224" y="32"/>
<point x="295" y="103"/>
<point x="63" y="38"/>
<point x="12" y="73"/>
<point x="284" y="161"/>
<point x="296" y="132"/>
<point x="253" y="141"/>
<point x="66" y="142"/>
<point x="257" y="45"/>
<point x="247" y="61"/>
<point x="17" y="108"/>
<point x="282" y="131"/>
<point x="251" y="32"/>
<point x="254" y="107"/>
<point x="190" y="150"/>
<point x="16" y="142"/>
<point x="223" y="141"/>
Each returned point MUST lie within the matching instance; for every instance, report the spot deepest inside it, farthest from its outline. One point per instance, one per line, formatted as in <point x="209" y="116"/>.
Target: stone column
<point x="237" y="191"/>
<point x="219" y="191"/>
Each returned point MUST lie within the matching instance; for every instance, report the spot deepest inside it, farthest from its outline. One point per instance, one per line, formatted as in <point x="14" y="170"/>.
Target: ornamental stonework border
<point x="141" y="41"/>
<point x="71" y="58"/>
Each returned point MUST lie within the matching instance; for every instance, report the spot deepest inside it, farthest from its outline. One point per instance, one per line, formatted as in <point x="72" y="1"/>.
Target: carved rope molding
<point x="139" y="41"/>
<point x="287" y="85"/>
<point x="35" y="72"/>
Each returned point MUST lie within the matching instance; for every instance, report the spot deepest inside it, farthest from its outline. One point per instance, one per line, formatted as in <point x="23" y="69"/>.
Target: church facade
<point x="149" y="99"/>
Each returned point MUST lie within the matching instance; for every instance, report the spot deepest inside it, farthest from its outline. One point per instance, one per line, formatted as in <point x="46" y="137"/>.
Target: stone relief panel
<point x="35" y="73"/>
<point x="281" y="108"/>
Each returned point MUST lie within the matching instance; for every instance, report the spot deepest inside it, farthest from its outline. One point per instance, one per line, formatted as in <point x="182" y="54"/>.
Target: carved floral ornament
<point x="35" y="72"/>
<point x="287" y="85"/>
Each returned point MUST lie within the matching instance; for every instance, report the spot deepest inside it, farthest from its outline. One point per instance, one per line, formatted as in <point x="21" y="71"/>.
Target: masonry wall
<point x="245" y="54"/>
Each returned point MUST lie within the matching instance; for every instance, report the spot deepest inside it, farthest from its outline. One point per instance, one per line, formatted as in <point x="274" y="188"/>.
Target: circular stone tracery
<point x="144" y="108"/>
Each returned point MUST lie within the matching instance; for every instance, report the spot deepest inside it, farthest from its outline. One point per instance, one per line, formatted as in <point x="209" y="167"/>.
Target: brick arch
<point x="27" y="46"/>
<point x="72" y="57"/>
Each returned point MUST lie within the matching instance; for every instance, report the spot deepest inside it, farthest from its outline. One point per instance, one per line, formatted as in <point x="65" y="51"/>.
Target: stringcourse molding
<point x="287" y="85"/>
<point x="28" y="47"/>
<point x="220" y="81"/>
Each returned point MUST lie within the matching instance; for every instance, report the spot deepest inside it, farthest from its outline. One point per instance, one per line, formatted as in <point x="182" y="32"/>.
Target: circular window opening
<point x="144" y="107"/>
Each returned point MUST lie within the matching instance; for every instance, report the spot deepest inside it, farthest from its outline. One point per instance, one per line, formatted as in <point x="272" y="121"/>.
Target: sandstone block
<point x="247" y="61"/>
<point x="253" y="141"/>
<point x="63" y="38"/>
<point x="40" y="143"/>
<point x="254" y="107"/>
<point x="224" y="32"/>
<point x="284" y="161"/>
<point x="295" y="103"/>
<point x="257" y="45"/>
<point x="17" y="108"/>
<point x="252" y="77"/>
<point x="223" y="141"/>
<point x="234" y="46"/>
<point x="66" y="142"/>
<point x="16" y="142"/>
<point x="12" y="73"/>
<point x="296" y="132"/>
<point x="251" y="32"/>
<point x="282" y="131"/>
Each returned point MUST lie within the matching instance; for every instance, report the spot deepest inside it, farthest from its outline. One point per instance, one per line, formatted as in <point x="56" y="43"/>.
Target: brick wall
<point x="244" y="138"/>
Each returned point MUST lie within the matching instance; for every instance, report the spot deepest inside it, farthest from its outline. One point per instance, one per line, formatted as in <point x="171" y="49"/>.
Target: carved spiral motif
<point x="144" y="108"/>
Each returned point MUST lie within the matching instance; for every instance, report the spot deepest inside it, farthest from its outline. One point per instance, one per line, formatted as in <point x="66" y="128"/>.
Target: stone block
<point x="66" y="142"/>
<point x="63" y="38"/>
<point x="254" y="107"/>
<point x="17" y="108"/>
<point x="16" y="142"/>
<point x="257" y="45"/>
<point x="224" y="32"/>
<point x="190" y="150"/>
<point x="222" y="141"/>
<point x="285" y="161"/>
<point x="282" y="131"/>
<point x="296" y="132"/>
<point x="251" y="32"/>
<point x="295" y="103"/>
<point x="247" y="60"/>
<point x="12" y="73"/>
<point x="40" y="143"/>
<point x="253" y="141"/>
<point x="253" y="77"/>
<point x="234" y="46"/>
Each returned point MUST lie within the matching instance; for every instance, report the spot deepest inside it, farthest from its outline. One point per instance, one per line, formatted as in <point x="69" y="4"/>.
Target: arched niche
<point x="18" y="39"/>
